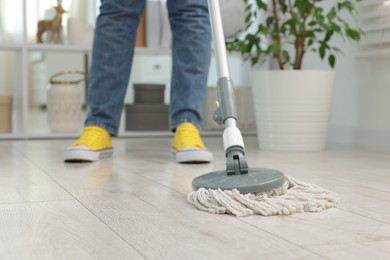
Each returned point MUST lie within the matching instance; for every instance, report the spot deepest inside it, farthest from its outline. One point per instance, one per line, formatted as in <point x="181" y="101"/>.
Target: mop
<point x="239" y="189"/>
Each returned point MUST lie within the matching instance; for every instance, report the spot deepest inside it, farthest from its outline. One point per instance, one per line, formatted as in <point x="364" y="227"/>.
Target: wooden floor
<point x="133" y="206"/>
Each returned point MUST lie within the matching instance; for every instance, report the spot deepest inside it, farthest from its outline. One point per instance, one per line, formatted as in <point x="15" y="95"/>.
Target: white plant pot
<point x="292" y="109"/>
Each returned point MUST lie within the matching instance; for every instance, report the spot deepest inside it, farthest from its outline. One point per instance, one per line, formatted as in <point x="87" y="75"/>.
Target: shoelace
<point x="189" y="137"/>
<point x="90" y="136"/>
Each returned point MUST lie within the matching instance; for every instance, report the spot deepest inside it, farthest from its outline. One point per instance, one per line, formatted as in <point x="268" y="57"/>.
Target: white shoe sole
<point x="193" y="155"/>
<point x="84" y="154"/>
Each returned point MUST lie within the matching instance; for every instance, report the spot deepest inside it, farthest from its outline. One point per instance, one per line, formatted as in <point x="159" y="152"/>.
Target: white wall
<point x="239" y="71"/>
<point x="361" y="108"/>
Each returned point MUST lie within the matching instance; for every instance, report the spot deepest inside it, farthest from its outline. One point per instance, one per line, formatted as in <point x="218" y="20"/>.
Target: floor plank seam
<point x="110" y="228"/>
<point x="33" y="202"/>
<point x="367" y="217"/>
<point x="153" y="181"/>
<point x="283" y="239"/>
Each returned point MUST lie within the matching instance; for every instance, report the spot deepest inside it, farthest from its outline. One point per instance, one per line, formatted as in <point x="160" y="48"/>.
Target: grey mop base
<point x="256" y="180"/>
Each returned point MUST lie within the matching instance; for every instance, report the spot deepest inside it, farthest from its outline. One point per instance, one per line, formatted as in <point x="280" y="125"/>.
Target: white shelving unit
<point x="150" y="59"/>
<point x="21" y="89"/>
<point x="20" y="48"/>
<point x="25" y="118"/>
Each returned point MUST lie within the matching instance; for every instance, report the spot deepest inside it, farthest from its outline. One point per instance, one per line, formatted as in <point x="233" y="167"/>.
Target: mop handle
<point x="226" y="112"/>
<point x="218" y="38"/>
<point x="222" y="62"/>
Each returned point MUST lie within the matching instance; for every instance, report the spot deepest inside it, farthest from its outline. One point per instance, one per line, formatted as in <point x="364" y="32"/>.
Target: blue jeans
<point x="112" y="56"/>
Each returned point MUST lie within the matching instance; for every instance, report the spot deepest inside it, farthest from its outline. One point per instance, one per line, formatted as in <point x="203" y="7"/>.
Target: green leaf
<point x="286" y="56"/>
<point x="336" y="49"/>
<point x="269" y="20"/>
<point x="336" y="28"/>
<point x="275" y="47"/>
<point x="322" y="51"/>
<point x="353" y="34"/>
<point x="261" y="5"/>
<point x="332" y="60"/>
<point x="254" y="60"/>
<point x="332" y="14"/>
<point x="328" y="35"/>
<point x="346" y="5"/>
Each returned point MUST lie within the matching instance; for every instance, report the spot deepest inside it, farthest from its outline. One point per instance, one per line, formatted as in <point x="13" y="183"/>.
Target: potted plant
<point x="292" y="104"/>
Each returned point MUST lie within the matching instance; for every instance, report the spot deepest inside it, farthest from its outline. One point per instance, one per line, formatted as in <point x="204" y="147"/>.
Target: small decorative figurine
<point x="54" y="26"/>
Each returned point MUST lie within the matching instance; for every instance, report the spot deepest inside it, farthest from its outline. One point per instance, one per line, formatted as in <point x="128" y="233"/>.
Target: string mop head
<point x="293" y="196"/>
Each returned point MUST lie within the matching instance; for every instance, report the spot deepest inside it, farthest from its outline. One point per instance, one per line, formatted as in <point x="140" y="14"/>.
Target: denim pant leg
<point x="112" y="55"/>
<point x="191" y="53"/>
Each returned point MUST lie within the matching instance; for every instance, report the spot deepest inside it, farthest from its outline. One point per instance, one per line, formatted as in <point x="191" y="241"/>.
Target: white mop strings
<point x="293" y="196"/>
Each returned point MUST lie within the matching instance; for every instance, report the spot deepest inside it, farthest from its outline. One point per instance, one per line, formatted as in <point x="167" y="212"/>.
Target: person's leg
<point x="191" y="53"/>
<point x="112" y="55"/>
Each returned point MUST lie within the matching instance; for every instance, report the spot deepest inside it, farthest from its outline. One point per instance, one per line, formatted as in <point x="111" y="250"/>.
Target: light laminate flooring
<point x="133" y="205"/>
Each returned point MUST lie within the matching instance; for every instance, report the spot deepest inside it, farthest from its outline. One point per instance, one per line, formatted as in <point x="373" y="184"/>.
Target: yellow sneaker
<point x="188" y="145"/>
<point x="94" y="144"/>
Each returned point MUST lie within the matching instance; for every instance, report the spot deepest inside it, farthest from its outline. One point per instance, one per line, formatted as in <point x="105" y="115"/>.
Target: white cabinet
<point x="150" y="67"/>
